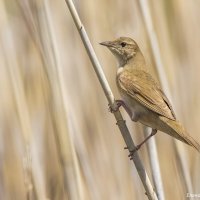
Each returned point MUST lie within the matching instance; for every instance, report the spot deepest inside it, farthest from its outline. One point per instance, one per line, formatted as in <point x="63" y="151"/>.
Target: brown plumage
<point x="141" y="86"/>
<point x="143" y="98"/>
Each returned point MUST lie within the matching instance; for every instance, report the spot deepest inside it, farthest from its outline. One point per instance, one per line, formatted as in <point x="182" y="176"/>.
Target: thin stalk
<point x="9" y="50"/>
<point x="154" y="163"/>
<point x="109" y="95"/>
<point x="56" y="74"/>
<point x="146" y="15"/>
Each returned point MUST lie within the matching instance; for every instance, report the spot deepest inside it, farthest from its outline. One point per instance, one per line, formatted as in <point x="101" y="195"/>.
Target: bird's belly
<point x="145" y="116"/>
<point x="134" y="105"/>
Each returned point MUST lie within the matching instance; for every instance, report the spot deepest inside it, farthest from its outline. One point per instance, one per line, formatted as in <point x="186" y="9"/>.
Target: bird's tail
<point x="180" y="133"/>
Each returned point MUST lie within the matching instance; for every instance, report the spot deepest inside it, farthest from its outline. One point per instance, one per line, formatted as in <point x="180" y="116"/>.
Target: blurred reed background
<point x="57" y="138"/>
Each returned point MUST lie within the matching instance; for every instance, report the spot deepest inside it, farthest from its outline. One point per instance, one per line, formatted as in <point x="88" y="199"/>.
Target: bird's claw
<point x="118" y="103"/>
<point x="111" y="109"/>
<point x="132" y="152"/>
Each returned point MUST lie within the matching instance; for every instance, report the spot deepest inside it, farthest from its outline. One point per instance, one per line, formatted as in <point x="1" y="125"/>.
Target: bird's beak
<point x="106" y="43"/>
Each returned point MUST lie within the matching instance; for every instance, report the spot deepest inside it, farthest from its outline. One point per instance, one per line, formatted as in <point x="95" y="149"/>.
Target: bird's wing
<point x="141" y="86"/>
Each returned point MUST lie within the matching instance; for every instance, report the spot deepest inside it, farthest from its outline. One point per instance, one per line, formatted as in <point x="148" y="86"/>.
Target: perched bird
<point x="142" y="96"/>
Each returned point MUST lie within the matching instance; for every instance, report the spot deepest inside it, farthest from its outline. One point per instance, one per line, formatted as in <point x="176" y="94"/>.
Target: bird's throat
<point x="120" y="70"/>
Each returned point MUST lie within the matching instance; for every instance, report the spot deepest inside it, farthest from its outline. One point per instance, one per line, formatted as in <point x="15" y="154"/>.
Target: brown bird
<point x="142" y="96"/>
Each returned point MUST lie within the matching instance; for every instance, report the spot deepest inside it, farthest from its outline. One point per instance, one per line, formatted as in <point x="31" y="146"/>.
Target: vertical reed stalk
<point x="105" y="86"/>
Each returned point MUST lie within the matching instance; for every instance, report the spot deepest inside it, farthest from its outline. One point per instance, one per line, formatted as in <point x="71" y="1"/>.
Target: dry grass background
<point x="57" y="138"/>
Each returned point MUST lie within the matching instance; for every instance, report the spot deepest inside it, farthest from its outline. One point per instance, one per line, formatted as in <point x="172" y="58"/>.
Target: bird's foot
<point x="132" y="152"/>
<point x="118" y="104"/>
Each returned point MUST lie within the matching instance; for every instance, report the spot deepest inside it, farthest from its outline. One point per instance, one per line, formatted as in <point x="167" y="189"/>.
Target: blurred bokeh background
<point x="57" y="139"/>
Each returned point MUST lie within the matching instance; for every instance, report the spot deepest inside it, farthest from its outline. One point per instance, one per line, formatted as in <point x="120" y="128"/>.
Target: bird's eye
<point x="123" y="44"/>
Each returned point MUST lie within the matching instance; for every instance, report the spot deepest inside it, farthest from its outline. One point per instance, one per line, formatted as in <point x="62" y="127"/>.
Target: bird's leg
<point x="134" y="116"/>
<point x="120" y="103"/>
<point x="153" y="132"/>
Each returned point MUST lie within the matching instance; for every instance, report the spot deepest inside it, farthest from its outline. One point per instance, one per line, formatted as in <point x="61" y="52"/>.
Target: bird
<point x="142" y="96"/>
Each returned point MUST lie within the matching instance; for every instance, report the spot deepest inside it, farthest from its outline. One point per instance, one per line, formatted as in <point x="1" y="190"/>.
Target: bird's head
<point x="123" y="49"/>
